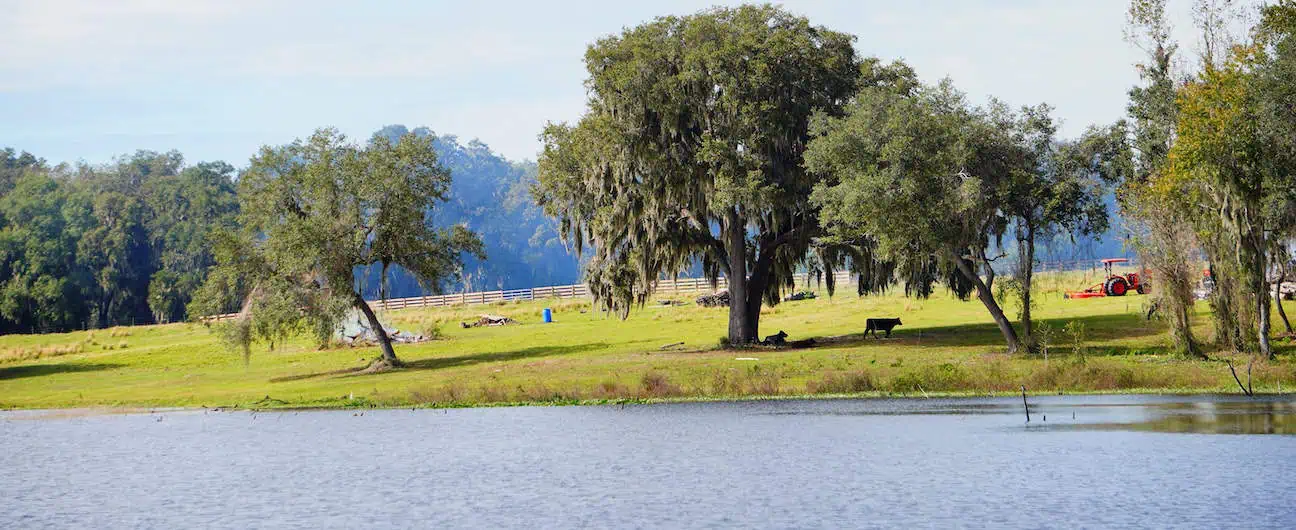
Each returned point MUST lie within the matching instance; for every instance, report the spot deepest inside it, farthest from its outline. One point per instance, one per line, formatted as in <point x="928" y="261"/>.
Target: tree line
<point x="134" y="241"/>
<point x="743" y="142"/>
<point x="755" y="143"/>
<point x="84" y="246"/>
<point x="1216" y="165"/>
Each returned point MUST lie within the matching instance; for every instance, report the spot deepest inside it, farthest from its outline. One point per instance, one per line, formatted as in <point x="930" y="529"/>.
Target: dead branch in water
<point x="1024" y="404"/>
<point x="1235" y="376"/>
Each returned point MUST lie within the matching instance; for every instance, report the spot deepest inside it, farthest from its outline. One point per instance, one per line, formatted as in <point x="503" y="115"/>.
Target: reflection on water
<point x="1200" y="414"/>
<point x="1209" y="417"/>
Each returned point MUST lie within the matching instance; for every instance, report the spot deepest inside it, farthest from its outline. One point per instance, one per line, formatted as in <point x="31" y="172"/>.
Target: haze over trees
<point x="142" y="255"/>
<point x="491" y="196"/>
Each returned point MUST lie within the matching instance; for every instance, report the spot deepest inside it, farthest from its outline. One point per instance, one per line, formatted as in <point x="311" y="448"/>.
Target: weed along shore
<point x="661" y="352"/>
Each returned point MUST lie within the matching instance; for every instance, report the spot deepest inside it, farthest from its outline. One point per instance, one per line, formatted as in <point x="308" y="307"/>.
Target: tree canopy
<point x="691" y="151"/>
<point x="92" y="246"/>
<point x="934" y="184"/>
<point x="314" y="213"/>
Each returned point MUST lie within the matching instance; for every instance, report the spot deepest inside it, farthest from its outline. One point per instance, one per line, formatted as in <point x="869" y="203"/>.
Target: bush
<point x="763" y="382"/>
<point x="656" y="384"/>
<point x="432" y="330"/>
<point x="944" y="377"/>
<point x="841" y="383"/>
<point x="1076" y="330"/>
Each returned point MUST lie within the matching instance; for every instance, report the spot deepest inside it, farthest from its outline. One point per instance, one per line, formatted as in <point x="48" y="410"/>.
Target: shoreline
<point x="947" y="348"/>
<point x="75" y="411"/>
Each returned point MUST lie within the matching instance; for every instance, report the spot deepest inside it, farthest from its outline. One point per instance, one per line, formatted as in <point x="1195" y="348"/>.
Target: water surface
<point x="1145" y="461"/>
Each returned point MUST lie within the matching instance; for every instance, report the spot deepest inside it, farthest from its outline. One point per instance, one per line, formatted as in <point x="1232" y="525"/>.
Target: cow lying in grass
<point x="780" y="339"/>
<point x="874" y="325"/>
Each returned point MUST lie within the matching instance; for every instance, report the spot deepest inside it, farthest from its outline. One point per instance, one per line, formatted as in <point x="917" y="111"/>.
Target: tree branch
<point x="787" y="237"/>
<point x="983" y="259"/>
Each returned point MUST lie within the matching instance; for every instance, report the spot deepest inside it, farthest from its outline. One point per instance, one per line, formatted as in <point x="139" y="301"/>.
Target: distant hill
<point x="490" y="195"/>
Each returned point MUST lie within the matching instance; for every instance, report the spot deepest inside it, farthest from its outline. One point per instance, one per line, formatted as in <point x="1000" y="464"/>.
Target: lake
<point x="1094" y="461"/>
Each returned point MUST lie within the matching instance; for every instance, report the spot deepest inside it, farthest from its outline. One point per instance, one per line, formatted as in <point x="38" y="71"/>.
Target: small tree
<point x="1224" y="160"/>
<point x="1158" y="224"/>
<point x="1058" y="190"/>
<point x="923" y="176"/>
<point x="315" y="213"/>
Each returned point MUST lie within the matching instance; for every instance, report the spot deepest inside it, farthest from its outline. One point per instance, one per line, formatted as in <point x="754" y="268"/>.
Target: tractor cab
<point x="1117" y="285"/>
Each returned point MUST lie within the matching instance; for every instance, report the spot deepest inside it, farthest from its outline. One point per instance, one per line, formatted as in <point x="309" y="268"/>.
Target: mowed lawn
<point x="945" y="346"/>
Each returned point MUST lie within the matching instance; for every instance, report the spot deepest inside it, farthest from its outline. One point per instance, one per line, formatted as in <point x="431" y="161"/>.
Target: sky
<point x="88" y="80"/>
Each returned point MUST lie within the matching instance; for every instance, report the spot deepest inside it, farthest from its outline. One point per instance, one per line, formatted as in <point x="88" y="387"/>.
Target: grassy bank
<point x="944" y="346"/>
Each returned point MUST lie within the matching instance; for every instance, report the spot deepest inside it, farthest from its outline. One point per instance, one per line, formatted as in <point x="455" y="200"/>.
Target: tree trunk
<point x="741" y="329"/>
<point x="755" y="288"/>
<point x="388" y="353"/>
<point x="756" y="285"/>
<point x="1026" y="259"/>
<point x="987" y="298"/>
<point x="1262" y="307"/>
<point x="1260" y="288"/>
<point x="1228" y="333"/>
<point x="1185" y="336"/>
<point x="1277" y="294"/>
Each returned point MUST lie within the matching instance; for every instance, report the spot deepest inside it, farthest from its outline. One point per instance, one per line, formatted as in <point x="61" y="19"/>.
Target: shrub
<point x="723" y="382"/>
<point x="945" y="376"/>
<point x="841" y="383"/>
<point x="1076" y="331"/>
<point x="432" y="330"/>
<point x="611" y="389"/>
<point x="656" y="384"/>
<point x="494" y="394"/>
<point x="763" y="382"/>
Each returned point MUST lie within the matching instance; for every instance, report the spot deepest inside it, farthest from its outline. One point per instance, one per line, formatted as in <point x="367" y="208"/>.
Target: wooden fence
<point x="682" y="285"/>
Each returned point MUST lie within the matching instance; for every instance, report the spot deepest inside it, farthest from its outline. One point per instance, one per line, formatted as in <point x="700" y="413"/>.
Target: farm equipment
<point x="1115" y="284"/>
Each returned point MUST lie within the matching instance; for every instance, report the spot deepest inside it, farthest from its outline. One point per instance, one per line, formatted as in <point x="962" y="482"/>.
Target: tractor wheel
<point x="1117" y="286"/>
<point x="1144" y="288"/>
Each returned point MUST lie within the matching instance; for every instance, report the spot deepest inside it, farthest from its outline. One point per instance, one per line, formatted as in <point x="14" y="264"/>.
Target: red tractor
<point x="1115" y="284"/>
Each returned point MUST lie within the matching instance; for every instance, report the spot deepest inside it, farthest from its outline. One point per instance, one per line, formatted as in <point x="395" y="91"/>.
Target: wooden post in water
<point x="1027" y="407"/>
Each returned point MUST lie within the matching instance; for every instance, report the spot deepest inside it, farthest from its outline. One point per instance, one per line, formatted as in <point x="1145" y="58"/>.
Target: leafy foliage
<point x="690" y="151"/>
<point x="315" y="212"/>
<point x="99" y="246"/>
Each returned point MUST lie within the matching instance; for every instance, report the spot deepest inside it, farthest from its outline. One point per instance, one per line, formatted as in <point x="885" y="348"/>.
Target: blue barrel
<point x="548" y="315"/>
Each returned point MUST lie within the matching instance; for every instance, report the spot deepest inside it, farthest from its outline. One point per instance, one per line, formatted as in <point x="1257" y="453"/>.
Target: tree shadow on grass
<point x="38" y="370"/>
<point x="437" y="363"/>
<point x="1096" y="328"/>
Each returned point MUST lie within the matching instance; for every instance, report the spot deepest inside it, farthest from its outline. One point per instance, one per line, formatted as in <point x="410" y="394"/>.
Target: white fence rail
<point x="681" y="285"/>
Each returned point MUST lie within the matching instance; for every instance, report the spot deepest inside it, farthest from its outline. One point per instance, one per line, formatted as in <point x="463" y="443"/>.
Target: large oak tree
<point x="691" y="152"/>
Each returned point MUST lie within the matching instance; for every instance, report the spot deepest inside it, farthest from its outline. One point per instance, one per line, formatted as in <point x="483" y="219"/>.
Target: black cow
<point x="874" y="325"/>
<point x="776" y="340"/>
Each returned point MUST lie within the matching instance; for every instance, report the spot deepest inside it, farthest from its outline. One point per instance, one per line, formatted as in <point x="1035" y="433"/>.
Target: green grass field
<point x="944" y="347"/>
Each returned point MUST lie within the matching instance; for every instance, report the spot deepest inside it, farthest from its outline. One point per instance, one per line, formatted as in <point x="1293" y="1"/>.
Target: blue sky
<point x="216" y="79"/>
